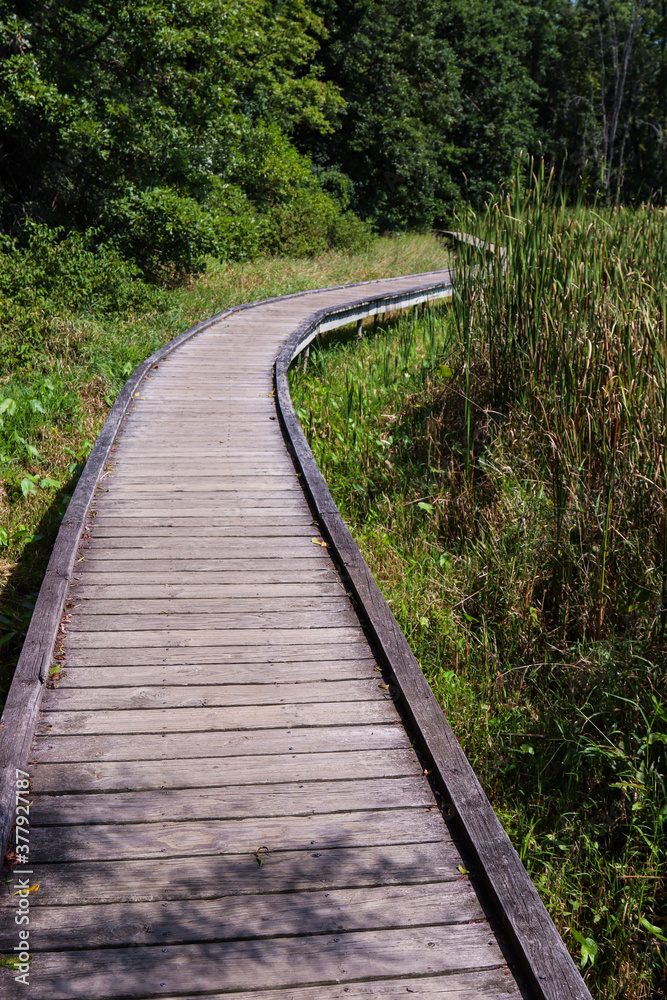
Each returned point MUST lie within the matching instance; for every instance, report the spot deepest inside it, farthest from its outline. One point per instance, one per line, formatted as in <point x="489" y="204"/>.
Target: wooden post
<point x="360" y="326"/>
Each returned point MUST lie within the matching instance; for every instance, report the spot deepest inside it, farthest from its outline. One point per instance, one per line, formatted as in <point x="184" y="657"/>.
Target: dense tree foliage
<point x="173" y="130"/>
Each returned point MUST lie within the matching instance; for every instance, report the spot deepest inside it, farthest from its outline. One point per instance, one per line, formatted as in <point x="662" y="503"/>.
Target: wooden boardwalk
<point x="225" y="798"/>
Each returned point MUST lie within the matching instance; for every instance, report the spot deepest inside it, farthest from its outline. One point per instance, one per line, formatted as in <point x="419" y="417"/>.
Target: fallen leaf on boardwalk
<point x="385" y="687"/>
<point x="318" y="541"/>
<point x="13" y="963"/>
<point x="258" y="855"/>
<point x="27" y="892"/>
<point x="464" y="871"/>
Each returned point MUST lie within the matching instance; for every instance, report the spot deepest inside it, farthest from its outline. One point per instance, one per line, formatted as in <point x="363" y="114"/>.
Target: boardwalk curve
<point x="225" y="799"/>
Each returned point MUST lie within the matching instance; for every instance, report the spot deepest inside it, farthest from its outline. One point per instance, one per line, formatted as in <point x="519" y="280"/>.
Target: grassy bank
<point x="73" y="325"/>
<point x="502" y="467"/>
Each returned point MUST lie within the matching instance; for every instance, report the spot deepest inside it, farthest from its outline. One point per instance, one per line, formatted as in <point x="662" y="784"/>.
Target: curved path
<point x="226" y="799"/>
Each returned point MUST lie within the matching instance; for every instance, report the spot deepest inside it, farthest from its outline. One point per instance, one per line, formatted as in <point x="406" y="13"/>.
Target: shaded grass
<point x="500" y="466"/>
<point x="72" y="328"/>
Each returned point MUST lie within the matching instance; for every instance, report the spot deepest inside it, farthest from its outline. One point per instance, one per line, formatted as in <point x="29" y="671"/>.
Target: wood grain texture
<point x="181" y="720"/>
<point x="235" y="801"/>
<point x="117" y="841"/>
<point x="214" y="877"/>
<point x="264" y="653"/>
<point x="286" y="765"/>
<point x="180" y="746"/>
<point x="213" y="674"/>
<point x="188" y="969"/>
<point x="253" y="916"/>
<point x="74" y="699"/>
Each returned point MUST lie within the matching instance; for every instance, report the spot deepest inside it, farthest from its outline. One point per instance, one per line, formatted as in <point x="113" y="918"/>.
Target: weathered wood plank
<point x="250" y="916"/>
<point x="206" y="551"/>
<point x="123" y="535"/>
<point x="491" y="984"/>
<point x="180" y="720"/>
<point x="212" y="674"/>
<point x="239" y="874"/>
<point x="228" y="592"/>
<point x="274" y="692"/>
<point x="54" y="748"/>
<point x="147" y="972"/>
<point x="265" y="654"/>
<point x="186" y="638"/>
<point x="150" y="829"/>
<point x="255" y="569"/>
<point x="165" y="483"/>
<point x="204" y="837"/>
<point x="257" y="768"/>
<point x="242" y="801"/>
<point x="229" y="606"/>
<point x="225" y="620"/>
<point x="496" y="984"/>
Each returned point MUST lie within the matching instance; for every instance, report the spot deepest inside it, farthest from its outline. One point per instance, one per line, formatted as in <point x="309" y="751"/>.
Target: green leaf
<point x="444" y="371"/>
<point x="8" y="405"/>
<point x="652" y="929"/>
<point x="49" y="484"/>
<point x="589" y="948"/>
<point x="28" y="487"/>
<point x="426" y="506"/>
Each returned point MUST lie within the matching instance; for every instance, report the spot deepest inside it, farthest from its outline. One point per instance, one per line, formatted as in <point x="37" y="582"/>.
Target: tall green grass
<point x="502" y="466"/>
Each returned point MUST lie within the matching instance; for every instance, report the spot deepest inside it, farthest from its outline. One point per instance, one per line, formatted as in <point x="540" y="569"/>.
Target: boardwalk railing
<point x="551" y="973"/>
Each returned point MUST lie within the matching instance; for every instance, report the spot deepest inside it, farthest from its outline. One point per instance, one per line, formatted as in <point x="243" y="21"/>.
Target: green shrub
<point x="240" y="230"/>
<point x="312" y="223"/>
<point x="46" y="269"/>
<point x="166" y="234"/>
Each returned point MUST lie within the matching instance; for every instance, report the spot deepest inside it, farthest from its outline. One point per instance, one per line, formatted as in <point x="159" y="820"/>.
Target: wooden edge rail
<point x="19" y="718"/>
<point x="546" y="961"/>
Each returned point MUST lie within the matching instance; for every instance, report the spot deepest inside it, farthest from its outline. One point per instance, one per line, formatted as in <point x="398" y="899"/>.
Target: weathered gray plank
<point x="186" y="638"/>
<point x="491" y="984"/>
<point x="206" y="551"/>
<point x="250" y="916"/>
<point x="230" y="606"/>
<point x="242" y="801"/>
<point x="123" y="535"/>
<point x="204" y="837"/>
<point x="222" y="620"/>
<point x="180" y="720"/>
<point x="142" y="972"/>
<point x="212" y="571"/>
<point x="274" y="692"/>
<point x="254" y="769"/>
<point x="229" y="592"/>
<point x="53" y="748"/>
<point x="212" y="674"/>
<point x="265" y="653"/>
<point x="240" y="874"/>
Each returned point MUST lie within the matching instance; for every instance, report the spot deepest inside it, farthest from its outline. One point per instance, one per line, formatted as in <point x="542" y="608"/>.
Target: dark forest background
<point x="168" y="131"/>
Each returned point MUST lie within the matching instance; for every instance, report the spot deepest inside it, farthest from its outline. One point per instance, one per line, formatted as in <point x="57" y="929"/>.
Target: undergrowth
<point x="502" y="467"/>
<point x="75" y="321"/>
